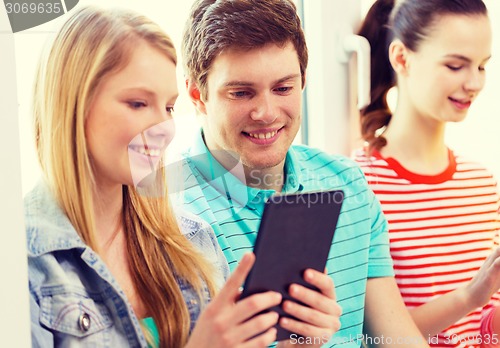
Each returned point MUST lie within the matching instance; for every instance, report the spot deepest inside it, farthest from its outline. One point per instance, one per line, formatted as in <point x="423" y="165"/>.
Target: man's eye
<point x="170" y="109"/>
<point x="283" y="89"/>
<point x="238" y="94"/>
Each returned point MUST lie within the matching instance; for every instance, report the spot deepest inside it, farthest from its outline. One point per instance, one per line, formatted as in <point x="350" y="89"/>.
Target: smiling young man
<point x="246" y="63"/>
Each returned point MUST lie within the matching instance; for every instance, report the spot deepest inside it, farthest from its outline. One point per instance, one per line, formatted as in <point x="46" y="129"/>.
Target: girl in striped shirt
<point x="442" y="209"/>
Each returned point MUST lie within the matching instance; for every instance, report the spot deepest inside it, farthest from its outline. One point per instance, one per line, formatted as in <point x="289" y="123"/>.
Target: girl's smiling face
<point x="130" y="120"/>
<point x="447" y="72"/>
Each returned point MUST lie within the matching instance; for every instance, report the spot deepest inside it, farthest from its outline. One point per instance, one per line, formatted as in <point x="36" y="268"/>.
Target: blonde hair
<point x="91" y="45"/>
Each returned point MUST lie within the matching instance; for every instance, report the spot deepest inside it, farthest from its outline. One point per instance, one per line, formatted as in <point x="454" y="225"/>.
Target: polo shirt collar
<point x="293" y="173"/>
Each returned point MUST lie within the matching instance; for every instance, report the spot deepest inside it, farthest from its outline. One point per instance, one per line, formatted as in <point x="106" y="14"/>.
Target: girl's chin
<point x="143" y="177"/>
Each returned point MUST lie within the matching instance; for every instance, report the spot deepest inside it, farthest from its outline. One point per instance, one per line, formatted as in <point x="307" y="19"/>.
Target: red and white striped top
<point x="441" y="229"/>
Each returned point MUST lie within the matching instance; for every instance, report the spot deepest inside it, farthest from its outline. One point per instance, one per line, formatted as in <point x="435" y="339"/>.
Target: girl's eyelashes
<point x="457" y="68"/>
<point x="454" y="67"/>
<point x="139" y="104"/>
<point x="136" y="104"/>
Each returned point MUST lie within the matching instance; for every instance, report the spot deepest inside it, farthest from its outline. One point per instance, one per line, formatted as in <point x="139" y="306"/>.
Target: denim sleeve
<point x="223" y="266"/>
<point x="40" y="337"/>
<point x="201" y="234"/>
<point x="210" y="248"/>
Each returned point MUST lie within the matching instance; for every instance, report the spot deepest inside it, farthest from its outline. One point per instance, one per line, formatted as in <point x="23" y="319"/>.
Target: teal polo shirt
<point x="360" y="247"/>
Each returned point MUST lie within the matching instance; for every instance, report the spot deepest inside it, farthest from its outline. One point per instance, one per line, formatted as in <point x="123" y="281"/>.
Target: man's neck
<point x="266" y="178"/>
<point x="269" y="178"/>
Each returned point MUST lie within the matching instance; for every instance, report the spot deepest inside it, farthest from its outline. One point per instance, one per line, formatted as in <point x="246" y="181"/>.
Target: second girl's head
<point x="434" y="50"/>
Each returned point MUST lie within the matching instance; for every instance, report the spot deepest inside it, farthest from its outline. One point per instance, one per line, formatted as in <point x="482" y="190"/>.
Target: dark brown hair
<point x="410" y="21"/>
<point x="217" y="25"/>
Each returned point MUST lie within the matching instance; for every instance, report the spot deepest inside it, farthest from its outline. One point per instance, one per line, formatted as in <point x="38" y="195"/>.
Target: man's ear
<point x="195" y="96"/>
<point x="398" y="56"/>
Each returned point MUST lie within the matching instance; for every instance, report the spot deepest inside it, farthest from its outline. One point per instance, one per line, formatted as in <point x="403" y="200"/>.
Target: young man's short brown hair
<point x="217" y="25"/>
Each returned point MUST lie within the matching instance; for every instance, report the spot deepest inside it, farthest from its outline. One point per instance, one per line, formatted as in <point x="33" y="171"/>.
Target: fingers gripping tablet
<point x="295" y="233"/>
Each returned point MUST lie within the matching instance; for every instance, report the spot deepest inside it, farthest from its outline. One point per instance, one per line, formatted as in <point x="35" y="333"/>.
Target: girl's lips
<point x="141" y="155"/>
<point x="153" y="151"/>
<point x="462" y="105"/>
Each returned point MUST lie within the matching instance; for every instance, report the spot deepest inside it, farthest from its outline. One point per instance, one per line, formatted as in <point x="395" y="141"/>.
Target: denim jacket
<point x="74" y="299"/>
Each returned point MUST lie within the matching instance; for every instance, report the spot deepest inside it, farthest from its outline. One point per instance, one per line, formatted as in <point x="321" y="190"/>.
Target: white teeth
<point x="147" y="152"/>
<point x="268" y="135"/>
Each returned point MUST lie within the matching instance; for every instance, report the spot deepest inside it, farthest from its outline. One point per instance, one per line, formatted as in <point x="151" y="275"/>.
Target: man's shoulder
<point x="319" y="162"/>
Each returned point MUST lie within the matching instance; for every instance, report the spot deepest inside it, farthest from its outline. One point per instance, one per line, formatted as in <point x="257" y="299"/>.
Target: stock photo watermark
<point x="26" y="14"/>
<point x="382" y="340"/>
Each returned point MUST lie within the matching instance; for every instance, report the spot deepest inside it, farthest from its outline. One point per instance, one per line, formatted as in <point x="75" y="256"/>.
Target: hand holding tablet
<point x="295" y="234"/>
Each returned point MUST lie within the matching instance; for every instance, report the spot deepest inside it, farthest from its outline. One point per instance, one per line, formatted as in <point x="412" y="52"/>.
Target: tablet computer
<point x="295" y="233"/>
